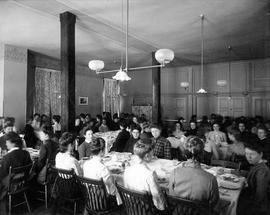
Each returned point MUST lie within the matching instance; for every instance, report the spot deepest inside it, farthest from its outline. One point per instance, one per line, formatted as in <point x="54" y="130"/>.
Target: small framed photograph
<point x="83" y="100"/>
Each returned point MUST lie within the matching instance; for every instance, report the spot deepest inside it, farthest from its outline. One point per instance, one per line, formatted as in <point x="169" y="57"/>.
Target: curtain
<point x="48" y="92"/>
<point x="111" y="99"/>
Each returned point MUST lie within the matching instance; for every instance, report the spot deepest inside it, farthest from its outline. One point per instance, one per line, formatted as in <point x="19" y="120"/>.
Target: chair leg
<point x="75" y="207"/>
<point x="28" y="206"/>
<point x="46" y="196"/>
<point x="9" y="204"/>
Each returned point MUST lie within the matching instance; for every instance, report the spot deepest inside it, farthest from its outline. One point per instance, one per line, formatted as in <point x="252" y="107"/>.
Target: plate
<point x="230" y="178"/>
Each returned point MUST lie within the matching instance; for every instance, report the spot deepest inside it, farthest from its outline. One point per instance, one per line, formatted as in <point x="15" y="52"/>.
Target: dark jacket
<point x="48" y="150"/>
<point x="254" y="199"/>
<point x="30" y="137"/>
<point x="130" y="144"/>
<point x="14" y="158"/>
<point x="120" y="141"/>
<point x="3" y="142"/>
<point x="84" y="150"/>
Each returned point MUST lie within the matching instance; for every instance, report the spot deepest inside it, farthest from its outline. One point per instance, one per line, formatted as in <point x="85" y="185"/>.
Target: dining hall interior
<point x="135" y="107"/>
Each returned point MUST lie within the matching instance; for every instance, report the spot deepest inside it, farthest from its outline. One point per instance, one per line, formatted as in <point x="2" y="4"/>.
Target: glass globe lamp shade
<point x="121" y="76"/>
<point x="184" y="84"/>
<point x="202" y="91"/>
<point x="221" y="83"/>
<point x="96" y="65"/>
<point x="164" y="56"/>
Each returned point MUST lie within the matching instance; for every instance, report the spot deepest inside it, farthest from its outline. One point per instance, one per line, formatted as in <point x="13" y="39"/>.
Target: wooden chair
<point x="66" y="188"/>
<point x="136" y="202"/>
<point x="97" y="200"/>
<point x="18" y="184"/>
<point x="187" y="207"/>
<point x="226" y="164"/>
<point x="44" y="185"/>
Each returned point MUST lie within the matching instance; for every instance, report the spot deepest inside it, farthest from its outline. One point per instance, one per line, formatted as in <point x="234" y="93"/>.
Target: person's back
<point x="140" y="178"/>
<point x="189" y="181"/>
<point x="13" y="159"/>
<point x="194" y="184"/>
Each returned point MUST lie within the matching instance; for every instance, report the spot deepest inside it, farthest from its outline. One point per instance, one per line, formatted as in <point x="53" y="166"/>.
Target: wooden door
<point x="181" y="107"/>
<point x="234" y="106"/>
<point x="261" y="107"/>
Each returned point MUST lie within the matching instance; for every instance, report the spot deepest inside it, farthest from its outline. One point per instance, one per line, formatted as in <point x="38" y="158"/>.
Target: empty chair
<point x="227" y="164"/>
<point x="18" y="184"/>
<point x="97" y="200"/>
<point x="136" y="202"/>
<point x="187" y="207"/>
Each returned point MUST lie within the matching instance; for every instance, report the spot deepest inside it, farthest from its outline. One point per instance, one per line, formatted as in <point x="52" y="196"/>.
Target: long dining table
<point x="230" y="185"/>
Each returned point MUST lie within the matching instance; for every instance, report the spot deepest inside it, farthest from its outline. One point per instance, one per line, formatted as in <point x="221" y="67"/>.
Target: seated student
<point x="210" y="148"/>
<point x="190" y="181"/>
<point x="135" y="136"/>
<point x="264" y="141"/>
<point x="48" y="151"/>
<point x="103" y="127"/>
<point x="56" y="125"/>
<point x="254" y="199"/>
<point x="145" y="130"/>
<point x="236" y="150"/>
<point x="193" y="129"/>
<point x="64" y="158"/>
<point x="178" y="130"/>
<point x="162" y="146"/>
<point x="95" y="169"/>
<point x="121" y="139"/>
<point x="115" y="123"/>
<point x="8" y="127"/>
<point x="245" y="135"/>
<point x="217" y="136"/>
<point x="30" y="136"/>
<point x="15" y="157"/>
<point x="84" y="148"/>
<point x="140" y="178"/>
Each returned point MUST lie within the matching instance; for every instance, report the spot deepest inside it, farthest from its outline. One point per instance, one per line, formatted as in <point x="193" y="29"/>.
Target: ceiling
<point x="154" y="24"/>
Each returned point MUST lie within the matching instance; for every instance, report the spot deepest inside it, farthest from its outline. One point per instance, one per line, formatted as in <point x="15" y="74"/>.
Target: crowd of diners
<point x="246" y="141"/>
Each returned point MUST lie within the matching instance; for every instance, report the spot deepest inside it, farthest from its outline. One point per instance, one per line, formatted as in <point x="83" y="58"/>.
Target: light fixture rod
<point x="202" y="48"/>
<point x="131" y="69"/>
<point x="127" y="35"/>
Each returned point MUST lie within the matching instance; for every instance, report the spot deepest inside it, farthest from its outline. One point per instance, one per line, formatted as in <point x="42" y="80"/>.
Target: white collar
<point x="14" y="148"/>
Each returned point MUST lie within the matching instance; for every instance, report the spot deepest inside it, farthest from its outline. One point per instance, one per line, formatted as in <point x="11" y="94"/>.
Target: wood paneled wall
<point x="249" y="84"/>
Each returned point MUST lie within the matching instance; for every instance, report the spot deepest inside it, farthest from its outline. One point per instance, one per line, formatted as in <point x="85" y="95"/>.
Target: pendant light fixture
<point x="163" y="56"/>
<point x="202" y="90"/>
<point x="230" y="87"/>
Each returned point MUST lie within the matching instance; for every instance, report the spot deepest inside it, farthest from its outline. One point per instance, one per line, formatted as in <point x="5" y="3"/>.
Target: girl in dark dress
<point x="254" y="199"/>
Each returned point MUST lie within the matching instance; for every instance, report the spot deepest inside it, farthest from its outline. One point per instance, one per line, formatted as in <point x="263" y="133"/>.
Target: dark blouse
<point x="256" y="194"/>
<point x="130" y="145"/>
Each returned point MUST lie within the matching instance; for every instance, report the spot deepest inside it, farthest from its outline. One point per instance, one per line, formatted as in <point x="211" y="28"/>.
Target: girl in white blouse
<point x="64" y="158"/>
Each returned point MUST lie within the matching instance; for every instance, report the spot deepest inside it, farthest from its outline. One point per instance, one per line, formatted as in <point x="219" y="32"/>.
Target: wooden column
<point x="68" y="21"/>
<point x="156" y="107"/>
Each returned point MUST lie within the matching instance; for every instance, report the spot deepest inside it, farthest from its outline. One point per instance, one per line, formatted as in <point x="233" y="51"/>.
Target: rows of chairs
<point x="97" y="201"/>
<point x="94" y="195"/>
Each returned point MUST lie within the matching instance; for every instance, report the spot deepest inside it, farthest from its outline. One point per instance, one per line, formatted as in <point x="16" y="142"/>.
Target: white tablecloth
<point x="229" y="197"/>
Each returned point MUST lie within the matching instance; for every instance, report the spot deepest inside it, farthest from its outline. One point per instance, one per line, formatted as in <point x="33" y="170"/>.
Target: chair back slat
<point x="187" y="207"/>
<point x="97" y="198"/>
<point x="136" y="203"/>
<point x="66" y="184"/>
<point x="18" y="178"/>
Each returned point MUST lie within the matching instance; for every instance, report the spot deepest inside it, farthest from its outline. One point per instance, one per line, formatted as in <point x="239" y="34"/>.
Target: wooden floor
<point x="38" y="208"/>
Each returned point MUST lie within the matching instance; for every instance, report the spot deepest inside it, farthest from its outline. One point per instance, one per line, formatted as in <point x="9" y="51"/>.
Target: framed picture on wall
<point x="83" y="100"/>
